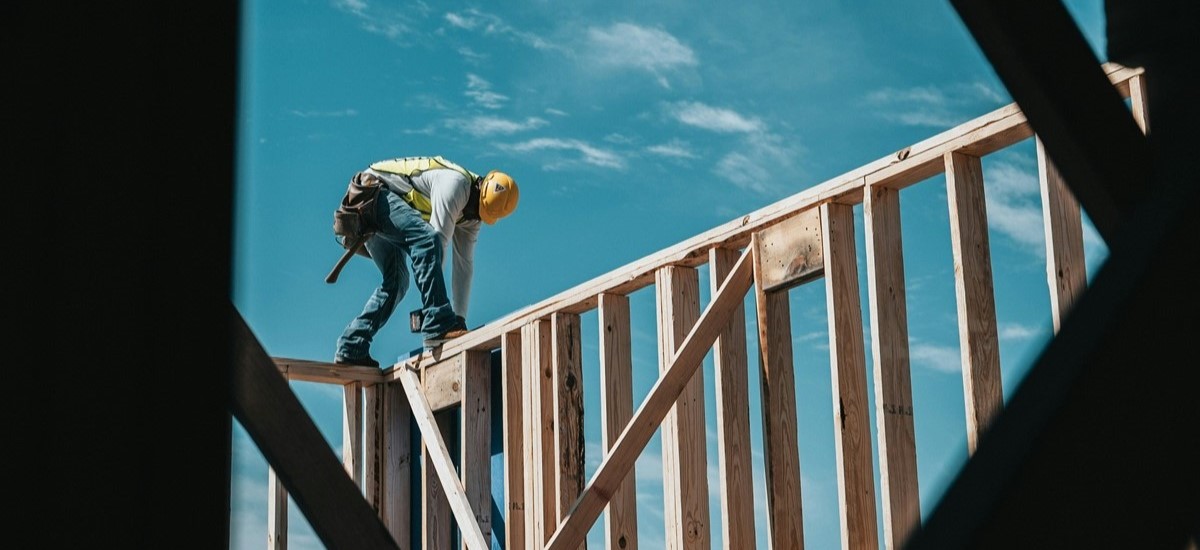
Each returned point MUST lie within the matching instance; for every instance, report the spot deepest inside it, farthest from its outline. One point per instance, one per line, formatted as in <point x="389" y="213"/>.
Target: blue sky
<point x="630" y="126"/>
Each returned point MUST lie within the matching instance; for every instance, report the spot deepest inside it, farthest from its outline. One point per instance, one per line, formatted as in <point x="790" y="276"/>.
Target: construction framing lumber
<point x="684" y="438"/>
<point x="982" y="135"/>
<point x="654" y="408"/>
<point x="475" y="417"/>
<point x="374" y="425"/>
<point x="848" y="366"/>
<point x="781" y="450"/>
<point x="295" y="449"/>
<point x="1082" y="120"/>
<point x="978" y="341"/>
<point x="892" y="377"/>
<point x="733" y="416"/>
<point x="1066" y="271"/>
<point x="352" y="424"/>
<point x="567" y="385"/>
<point x="538" y="424"/>
<point x="616" y="403"/>
<point x="397" y="463"/>
<point x="512" y="374"/>
<point x="300" y="370"/>
<point x="277" y="516"/>
<point x="442" y="463"/>
<point x="436" y="524"/>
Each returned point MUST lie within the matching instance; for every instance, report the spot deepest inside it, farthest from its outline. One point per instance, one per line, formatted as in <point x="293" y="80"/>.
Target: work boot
<point x="457" y="330"/>
<point x="359" y="362"/>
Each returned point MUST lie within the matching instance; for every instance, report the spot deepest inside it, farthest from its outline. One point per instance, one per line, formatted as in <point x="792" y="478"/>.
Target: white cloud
<point x="939" y="358"/>
<point x="489" y="125"/>
<point x="717" y="119"/>
<point x="480" y="90"/>
<point x="936" y="107"/>
<point x="674" y="149"/>
<point x="590" y="154"/>
<point x="625" y="45"/>
<point x="471" y="55"/>
<point x="325" y="114"/>
<point x="477" y="21"/>
<point x="392" y="24"/>
<point x="1014" y="206"/>
<point x="1017" y="331"/>
<point x="555" y="112"/>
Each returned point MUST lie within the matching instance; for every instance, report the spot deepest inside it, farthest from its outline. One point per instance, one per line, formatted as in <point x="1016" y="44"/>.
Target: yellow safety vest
<point x="410" y="167"/>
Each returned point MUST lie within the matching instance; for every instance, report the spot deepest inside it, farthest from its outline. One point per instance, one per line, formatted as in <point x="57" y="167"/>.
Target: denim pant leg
<point x="391" y="260"/>
<point x="406" y="228"/>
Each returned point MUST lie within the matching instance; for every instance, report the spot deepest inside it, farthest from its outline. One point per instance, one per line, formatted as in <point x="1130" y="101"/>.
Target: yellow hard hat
<point x="498" y="196"/>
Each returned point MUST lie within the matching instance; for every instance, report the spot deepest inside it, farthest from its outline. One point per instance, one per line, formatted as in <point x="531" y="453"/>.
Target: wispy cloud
<point x="325" y="114"/>
<point x="717" y="119"/>
<point x="625" y="45"/>
<point x="490" y="125"/>
<point x="939" y="358"/>
<point x="471" y="55"/>
<point x="673" y="149"/>
<point x="761" y="157"/>
<point x="555" y="112"/>
<point x="480" y="91"/>
<point x="1014" y="205"/>
<point x="936" y="107"/>
<point x="1018" y="331"/>
<point x="393" y="24"/>
<point x="478" y="21"/>
<point x="589" y="154"/>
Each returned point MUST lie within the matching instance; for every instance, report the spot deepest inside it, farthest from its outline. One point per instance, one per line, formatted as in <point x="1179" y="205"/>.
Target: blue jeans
<point x="402" y="234"/>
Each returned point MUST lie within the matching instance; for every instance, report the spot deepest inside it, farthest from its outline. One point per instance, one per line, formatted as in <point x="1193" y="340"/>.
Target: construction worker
<point x="426" y="205"/>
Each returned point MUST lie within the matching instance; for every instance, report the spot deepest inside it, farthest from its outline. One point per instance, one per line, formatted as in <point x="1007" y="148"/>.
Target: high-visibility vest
<point x="410" y="167"/>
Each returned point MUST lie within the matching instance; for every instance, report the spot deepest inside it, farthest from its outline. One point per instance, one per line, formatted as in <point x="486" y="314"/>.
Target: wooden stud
<point x="616" y="402"/>
<point x="733" y="416"/>
<point x="684" y="439"/>
<point x="397" y="465"/>
<point x="443" y="382"/>
<point x="567" y="384"/>
<point x="277" y="512"/>
<point x="973" y="285"/>
<point x="352" y="415"/>
<point x="785" y="525"/>
<point x="852" y="420"/>
<point x="1066" y="272"/>
<point x="476" y="433"/>
<point x="890" y="354"/>
<point x="654" y="409"/>
<point x="373" y="428"/>
<point x="514" y="440"/>
<point x="790" y="251"/>
<point x="540" y="512"/>
<point x="438" y="457"/>
<point x="436" y="520"/>
<point x="1137" y="101"/>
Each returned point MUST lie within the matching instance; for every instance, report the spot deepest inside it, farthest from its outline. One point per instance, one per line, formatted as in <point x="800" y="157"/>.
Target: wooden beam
<point x="1066" y="272"/>
<point x="654" y="409"/>
<point x="977" y="335"/>
<point x="1070" y="104"/>
<point x="436" y="524"/>
<point x="567" y="384"/>
<point x="514" y="440"/>
<point x="852" y="419"/>
<point x="476" y="432"/>
<point x="296" y="450"/>
<point x="277" y="512"/>
<point x="781" y="450"/>
<point x="890" y="360"/>
<point x="616" y="403"/>
<point x="987" y="133"/>
<point x="352" y="419"/>
<point x="684" y="441"/>
<point x="790" y="251"/>
<point x="397" y="465"/>
<point x="374" y="425"/>
<point x="1138" y="103"/>
<point x="540" y="509"/>
<point x="301" y="370"/>
<point x="439" y="456"/>
<point x="443" y="383"/>
<point x="733" y="416"/>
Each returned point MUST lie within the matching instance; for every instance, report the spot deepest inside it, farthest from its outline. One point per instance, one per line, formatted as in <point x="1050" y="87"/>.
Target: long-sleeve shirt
<point x="448" y="191"/>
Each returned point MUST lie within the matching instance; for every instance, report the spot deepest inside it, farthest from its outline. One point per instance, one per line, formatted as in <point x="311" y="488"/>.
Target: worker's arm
<point x="449" y="192"/>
